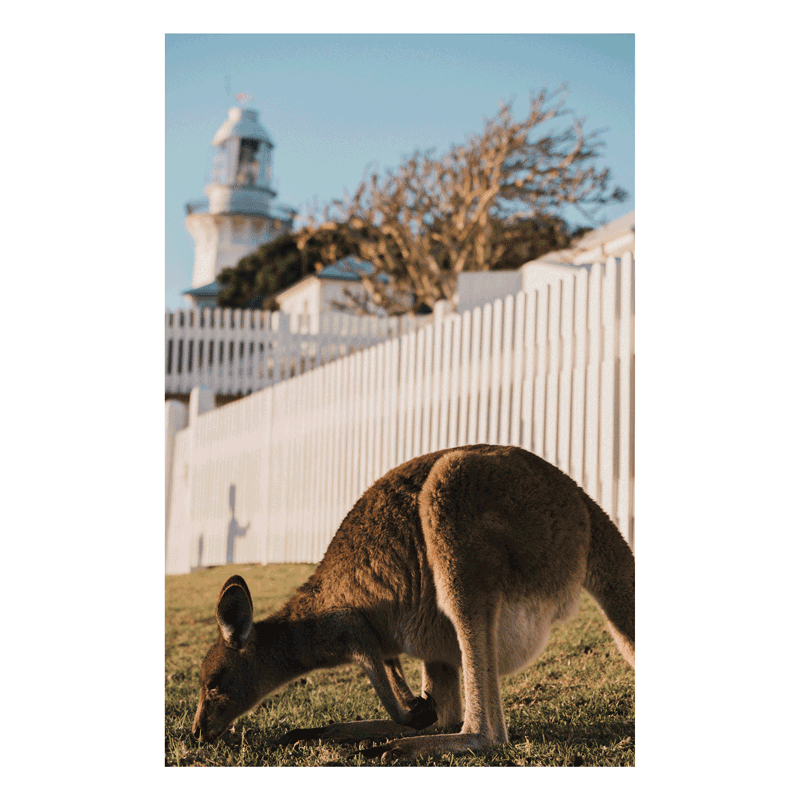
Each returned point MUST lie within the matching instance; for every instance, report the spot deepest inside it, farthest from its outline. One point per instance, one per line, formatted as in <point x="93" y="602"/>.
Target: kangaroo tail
<point x="610" y="579"/>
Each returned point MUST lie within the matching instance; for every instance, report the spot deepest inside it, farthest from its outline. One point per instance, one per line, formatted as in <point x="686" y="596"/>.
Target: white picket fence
<point x="236" y="352"/>
<point x="268" y="478"/>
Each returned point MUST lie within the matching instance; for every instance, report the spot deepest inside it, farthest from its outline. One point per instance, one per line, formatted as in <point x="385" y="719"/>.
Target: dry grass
<point x="573" y="707"/>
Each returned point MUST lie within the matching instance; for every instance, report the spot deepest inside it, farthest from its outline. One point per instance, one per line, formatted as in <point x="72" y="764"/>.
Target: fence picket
<point x="503" y="433"/>
<point x="540" y="380"/>
<point x="318" y="455"/>
<point x="579" y="378"/>
<point x="454" y="376"/>
<point x="608" y="422"/>
<point x="496" y="371"/>
<point x="292" y="483"/>
<point x="592" y="425"/>
<point x="416" y="447"/>
<point x="280" y="498"/>
<point x="565" y="372"/>
<point x="531" y="310"/>
<point x="427" y="393"/>
<point x="332" y="476"/>
<point x="517" y="379"/>
<point x="626" y="382"/>
<point x="486" y="373"/>
<point x="553" y="371"/>
<point x="391" y="432"/>
<point x="405" y="400"/>
<point x="442" y="396"/>
<point x="371" y="389"/>
<point x="359" y="456"/>
<point x="465" y="321"/>
<point x="474" y="380"/>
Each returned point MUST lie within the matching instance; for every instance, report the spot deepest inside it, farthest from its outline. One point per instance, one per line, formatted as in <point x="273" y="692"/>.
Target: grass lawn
<point x="572" y="707"/>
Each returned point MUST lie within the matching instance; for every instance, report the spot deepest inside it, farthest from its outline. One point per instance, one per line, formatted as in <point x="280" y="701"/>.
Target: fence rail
<point x="269" y="477"/>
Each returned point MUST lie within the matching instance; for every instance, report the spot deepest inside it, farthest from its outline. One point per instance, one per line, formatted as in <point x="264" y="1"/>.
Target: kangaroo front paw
<point x="422" y="712"/>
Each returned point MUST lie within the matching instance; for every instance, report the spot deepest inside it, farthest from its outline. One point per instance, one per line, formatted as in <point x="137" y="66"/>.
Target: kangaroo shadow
<point x="235" y="530"/>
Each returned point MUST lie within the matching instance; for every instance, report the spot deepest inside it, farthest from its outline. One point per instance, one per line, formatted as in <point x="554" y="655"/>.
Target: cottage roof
<point x="348" y="268"/>
<point x="209" y="290"/>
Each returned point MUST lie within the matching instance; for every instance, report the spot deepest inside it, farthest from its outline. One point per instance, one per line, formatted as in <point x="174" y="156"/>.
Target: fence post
<point x="440" y="309"/>
<point x="175" y="420"/>
<point x="201" y="400"/>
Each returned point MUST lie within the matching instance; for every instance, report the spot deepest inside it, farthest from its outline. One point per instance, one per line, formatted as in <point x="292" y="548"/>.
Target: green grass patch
<point x="572" y="707"/>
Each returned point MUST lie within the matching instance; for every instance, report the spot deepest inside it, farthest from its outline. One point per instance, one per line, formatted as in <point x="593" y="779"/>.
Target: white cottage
<point x="322" y="292"/>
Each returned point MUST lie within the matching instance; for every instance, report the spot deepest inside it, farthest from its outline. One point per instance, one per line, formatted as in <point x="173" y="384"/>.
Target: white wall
<point x="334" y="295"/>
<point x="222" y="241"/>
<point x="303" y="305"/>
<point x="307" y="300"/>
<point x="537" y="274"/>
<point x="476" y="288"/>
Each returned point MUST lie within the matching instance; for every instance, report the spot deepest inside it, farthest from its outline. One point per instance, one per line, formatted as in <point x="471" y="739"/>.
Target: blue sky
<point x="336" y="104"/>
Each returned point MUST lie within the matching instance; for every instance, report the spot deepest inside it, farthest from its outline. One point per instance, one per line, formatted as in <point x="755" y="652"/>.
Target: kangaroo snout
<point x="200" y="727"/>
<point x="196" y="732"/>
<point x="203" y="736"/>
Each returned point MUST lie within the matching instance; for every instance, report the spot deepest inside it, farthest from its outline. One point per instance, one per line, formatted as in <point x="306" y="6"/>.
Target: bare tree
<point x="430" y="219"/>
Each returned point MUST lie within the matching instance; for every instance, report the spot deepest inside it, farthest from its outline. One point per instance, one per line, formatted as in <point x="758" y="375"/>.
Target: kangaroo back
<point x="610" y="579"/>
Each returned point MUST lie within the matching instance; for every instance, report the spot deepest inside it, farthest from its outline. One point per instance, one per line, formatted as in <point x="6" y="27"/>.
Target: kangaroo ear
<point x="235" y="612"/>
<point x="236" y="580"/>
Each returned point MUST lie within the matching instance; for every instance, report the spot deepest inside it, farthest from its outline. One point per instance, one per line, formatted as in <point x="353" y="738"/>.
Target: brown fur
<point x="462" y="558"/>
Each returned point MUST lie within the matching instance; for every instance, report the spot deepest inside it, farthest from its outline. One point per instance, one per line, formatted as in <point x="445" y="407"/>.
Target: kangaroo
<point x="462" y="558"/>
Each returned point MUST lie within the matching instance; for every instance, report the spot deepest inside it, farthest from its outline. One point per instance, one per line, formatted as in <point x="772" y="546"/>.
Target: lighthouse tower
<point x="239" y="214"/>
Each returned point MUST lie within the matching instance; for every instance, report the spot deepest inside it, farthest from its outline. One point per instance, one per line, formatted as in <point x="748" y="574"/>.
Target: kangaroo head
<point x="228" y="683"/>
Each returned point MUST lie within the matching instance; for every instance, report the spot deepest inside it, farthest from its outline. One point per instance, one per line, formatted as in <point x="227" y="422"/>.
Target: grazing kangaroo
<point x="462" y="558"/>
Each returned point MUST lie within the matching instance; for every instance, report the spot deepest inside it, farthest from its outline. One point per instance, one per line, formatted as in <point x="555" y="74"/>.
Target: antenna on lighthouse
<point x="243" y="99"/>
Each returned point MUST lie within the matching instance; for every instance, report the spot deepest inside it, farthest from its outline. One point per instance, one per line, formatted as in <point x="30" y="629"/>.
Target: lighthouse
<point x="239" y="214"/>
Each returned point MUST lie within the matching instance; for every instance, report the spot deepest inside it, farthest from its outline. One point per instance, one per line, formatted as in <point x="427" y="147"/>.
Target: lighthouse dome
<point x="242" y="171"/>
<point x="242" y="123"/>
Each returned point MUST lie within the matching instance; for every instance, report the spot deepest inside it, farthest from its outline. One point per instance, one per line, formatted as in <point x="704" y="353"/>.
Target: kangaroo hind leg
<point x="484" y="722"/>
<point x="467" y="569"/>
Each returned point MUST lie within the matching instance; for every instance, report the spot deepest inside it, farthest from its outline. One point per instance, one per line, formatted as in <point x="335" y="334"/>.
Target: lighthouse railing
<point x="197" y="207"/>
